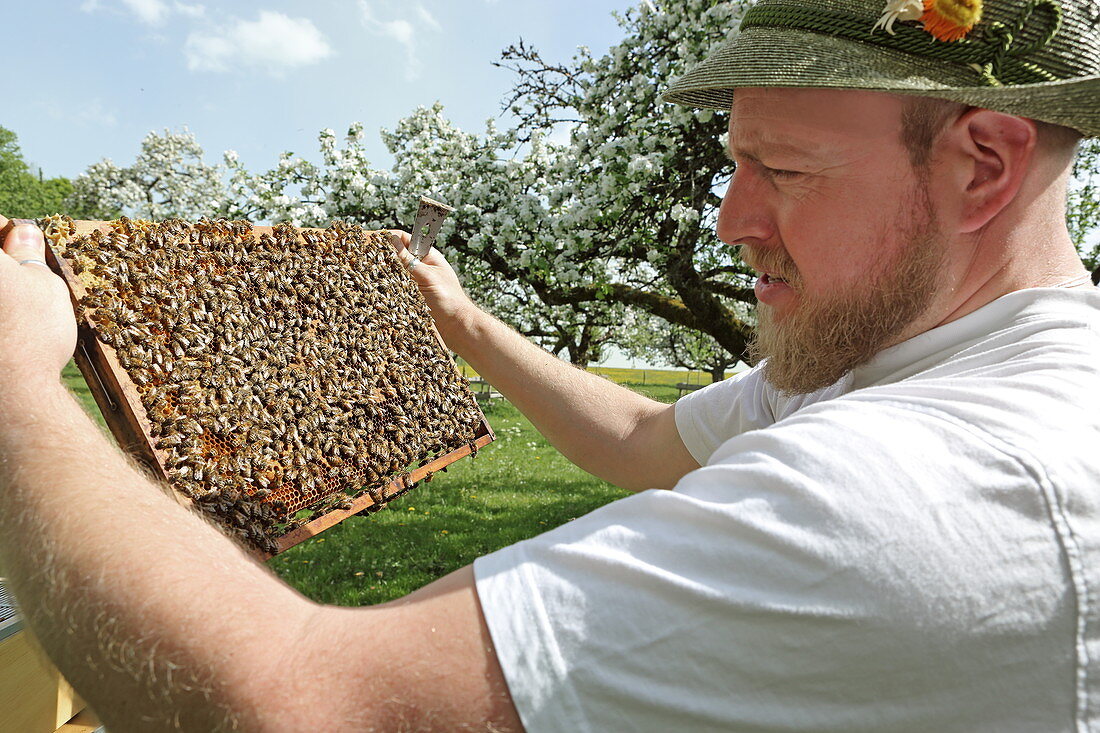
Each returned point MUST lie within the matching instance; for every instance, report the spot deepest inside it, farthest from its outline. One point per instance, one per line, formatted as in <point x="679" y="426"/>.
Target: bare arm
<point x="608" y="430"/>
<point x="161" y="622"/>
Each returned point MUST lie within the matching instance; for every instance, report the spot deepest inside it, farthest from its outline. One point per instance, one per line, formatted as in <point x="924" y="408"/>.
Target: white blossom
<point x="168" y="179"/>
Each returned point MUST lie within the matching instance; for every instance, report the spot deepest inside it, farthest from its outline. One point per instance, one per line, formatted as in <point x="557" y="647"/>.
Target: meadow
<point x="517" y="487"/>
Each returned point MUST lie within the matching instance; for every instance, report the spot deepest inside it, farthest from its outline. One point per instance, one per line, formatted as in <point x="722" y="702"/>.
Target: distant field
<point x="651" y="376"/>
<point x="668" y="377"/>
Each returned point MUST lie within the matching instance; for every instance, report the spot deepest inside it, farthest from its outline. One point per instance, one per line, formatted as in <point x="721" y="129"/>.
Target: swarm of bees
<point x="282" y="373"/>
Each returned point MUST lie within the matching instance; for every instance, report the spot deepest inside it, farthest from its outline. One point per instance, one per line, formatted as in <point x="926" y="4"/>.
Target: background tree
<point x="1083" y="214"/>
<point x="579" y="335"/>
<point x="658" y="342"/>
<point x="23" y="193"/>
<point x="167" y="179"/>
<point x="632" y="197"/>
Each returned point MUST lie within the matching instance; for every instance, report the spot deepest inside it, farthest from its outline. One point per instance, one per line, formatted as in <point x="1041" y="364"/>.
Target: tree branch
<point x="736" y="292"/>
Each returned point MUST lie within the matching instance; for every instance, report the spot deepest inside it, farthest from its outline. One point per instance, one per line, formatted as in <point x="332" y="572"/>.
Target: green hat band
<point x="995" y="49"/>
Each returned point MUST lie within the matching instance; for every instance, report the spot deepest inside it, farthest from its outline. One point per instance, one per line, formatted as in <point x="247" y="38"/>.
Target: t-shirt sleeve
<point x="710" y="416"/>
<point x="822" y="574"/>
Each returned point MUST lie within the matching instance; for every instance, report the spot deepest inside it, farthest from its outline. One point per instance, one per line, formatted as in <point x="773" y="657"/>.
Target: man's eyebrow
<point x="765" y="147"/>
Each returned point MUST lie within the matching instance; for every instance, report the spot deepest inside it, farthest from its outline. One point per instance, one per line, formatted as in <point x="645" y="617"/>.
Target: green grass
<point x="517" y="487"/>
<point x="71" y="376"/>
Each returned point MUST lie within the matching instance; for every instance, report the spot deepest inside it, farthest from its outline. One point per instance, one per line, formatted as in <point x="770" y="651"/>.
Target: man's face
<point x="842" y="229"/>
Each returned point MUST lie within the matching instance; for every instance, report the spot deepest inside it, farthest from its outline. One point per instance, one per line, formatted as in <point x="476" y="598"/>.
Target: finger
<point x="400" y="240"/>
<point x="406" y="258"/>
<point x="25" y="242"/>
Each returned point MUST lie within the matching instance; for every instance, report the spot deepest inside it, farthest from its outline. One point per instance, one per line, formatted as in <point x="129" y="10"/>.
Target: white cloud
<point x="96" y="113"/>
<point x="150" y="12"/>
<point x="401" y="31"/>
<point x="191" y="11"/>
<point x="273" y="42"/>
<point x="428" y="18"/>
<point x="405" y="32"/>
<point x="208" y="52"/>
<point x="91" y="112"/>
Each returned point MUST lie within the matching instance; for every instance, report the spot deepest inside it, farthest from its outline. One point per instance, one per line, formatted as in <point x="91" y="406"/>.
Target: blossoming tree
<point x="594" y="214"/>
<point x="168" y="179"/>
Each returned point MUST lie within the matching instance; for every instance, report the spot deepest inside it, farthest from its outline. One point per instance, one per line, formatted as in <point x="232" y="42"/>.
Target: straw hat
<point x="1032" y="58"/>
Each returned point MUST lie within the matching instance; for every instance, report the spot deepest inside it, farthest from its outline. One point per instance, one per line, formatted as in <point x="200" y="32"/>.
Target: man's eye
<point x="777" y="173"/>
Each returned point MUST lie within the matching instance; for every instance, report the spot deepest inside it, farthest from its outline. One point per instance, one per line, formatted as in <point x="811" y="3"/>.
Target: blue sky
<point x="87" y="79"/>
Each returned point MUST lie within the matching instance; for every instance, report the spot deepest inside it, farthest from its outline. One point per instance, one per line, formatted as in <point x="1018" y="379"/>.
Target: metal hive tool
<point x="265" y="372"/>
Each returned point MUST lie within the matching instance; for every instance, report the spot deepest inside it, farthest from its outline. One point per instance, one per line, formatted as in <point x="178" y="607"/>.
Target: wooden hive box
<point x="279" y="379"/>
<point x="34" y="697"/>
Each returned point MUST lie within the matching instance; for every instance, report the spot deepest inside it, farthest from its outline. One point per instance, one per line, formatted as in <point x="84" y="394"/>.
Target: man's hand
<point x="438" y="282"/>
<point x="37" y="325"/>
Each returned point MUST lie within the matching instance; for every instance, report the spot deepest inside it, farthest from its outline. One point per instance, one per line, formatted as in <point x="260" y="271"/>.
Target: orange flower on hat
<point x="951" y="20"/>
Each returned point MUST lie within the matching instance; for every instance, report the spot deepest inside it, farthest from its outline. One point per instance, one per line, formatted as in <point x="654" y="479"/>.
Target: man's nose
<point x="745" y="213"/>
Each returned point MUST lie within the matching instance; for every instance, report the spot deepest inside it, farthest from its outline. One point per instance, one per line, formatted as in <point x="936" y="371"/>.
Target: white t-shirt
<point x="916" y="548"/>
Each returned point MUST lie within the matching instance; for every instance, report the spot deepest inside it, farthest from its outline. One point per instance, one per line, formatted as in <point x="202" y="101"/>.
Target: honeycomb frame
<point x="121" y="403"/>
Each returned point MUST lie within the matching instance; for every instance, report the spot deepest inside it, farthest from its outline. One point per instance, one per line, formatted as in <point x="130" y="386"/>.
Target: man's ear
<point x="991" y="152"/>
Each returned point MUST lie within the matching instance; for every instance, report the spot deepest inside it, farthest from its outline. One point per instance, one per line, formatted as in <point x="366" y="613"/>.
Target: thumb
<point x="25" y="241"/>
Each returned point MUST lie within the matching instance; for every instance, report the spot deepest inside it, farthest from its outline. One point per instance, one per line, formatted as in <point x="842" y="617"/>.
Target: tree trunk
<point x="578" y="358"/>
<point x="579" y="355"/>
<point x="717" y="374"/>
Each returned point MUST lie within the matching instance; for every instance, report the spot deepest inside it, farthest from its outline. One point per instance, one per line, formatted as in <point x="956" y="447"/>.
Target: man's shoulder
<point x="1026" y="366"/>
<point x="1032" y="374"/>
<point x="1040" y="328"/>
